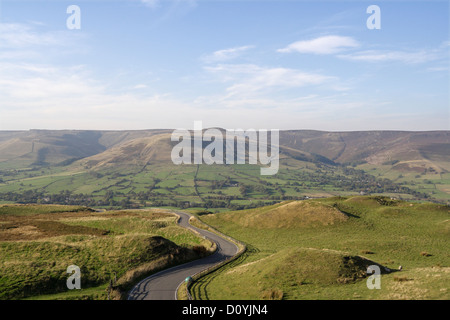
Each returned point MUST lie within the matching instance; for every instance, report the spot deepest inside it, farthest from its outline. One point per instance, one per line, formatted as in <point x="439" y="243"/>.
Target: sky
<point x="236" y="64"/>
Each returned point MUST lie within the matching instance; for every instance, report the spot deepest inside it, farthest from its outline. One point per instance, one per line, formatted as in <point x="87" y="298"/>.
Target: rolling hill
<point x="375" y="147"/>
<point x="139" y="151"/>
<point x="39" y="242"/>
<point x="289" y="215"/>
<point x="291" y="260"/>
<point x="134" y="168"/>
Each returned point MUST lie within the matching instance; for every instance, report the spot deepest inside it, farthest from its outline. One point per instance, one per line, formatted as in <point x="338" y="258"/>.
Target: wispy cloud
<point x="23" y="83"/>
<point x="39" y="91"/>
<point x="17" y="36"/>
<point x="394" y="56"/>
<point x="249" y="78"/>
<point x="48" y="96"/>
<point x="336" y="45"/>
<point x="321" y="45"/>
<point x="34" y="42"/>
<point x="226" y="54"/>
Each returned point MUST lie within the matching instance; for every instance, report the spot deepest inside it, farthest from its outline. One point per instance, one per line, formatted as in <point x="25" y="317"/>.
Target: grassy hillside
<point x="291" y="215"/>
<point x="44" y="147"/>
<point x="133" y="169"/>
<point x="204" y="186"/>
<point x="136" y="152"/>
<point x="38" y="243"/>
<point x="298" y="258"/>
<point x="375" y="147"/>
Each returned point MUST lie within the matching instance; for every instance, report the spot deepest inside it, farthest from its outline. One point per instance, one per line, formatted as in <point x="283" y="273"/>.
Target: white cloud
<point x="51" y="97"/>
<point x="395" y="56"/>
<point x="321" y="45"/>
<point x="249" y="78"/>
<point x="34" y="42"/>
<point x="18" y="36"/>
<point x="26" y="84"/>
<point x="226" y="54"/>
<point x="39" y="94"/>
<point x="45" y="96"/>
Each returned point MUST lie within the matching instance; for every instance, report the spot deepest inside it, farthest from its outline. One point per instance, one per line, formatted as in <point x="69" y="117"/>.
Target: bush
<point x="203" y="212"/>
<point x="200" y="250"/>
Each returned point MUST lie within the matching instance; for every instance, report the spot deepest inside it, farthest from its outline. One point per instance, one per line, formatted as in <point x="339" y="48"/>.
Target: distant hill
<point x="50" y="147"/>
<point x="136" y="151"/>
<point x="407" y="151"/>
<point x="40" y="147"/>
<point x="130" y="169"/>
<point x="375" y="147"/>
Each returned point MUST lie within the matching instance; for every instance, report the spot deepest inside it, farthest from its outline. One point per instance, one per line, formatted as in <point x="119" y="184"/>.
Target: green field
<point x="217" y="186"/>
<point x="39" y="242"/>
<point x="311" y="249"/>
<point x="320" y="249"/>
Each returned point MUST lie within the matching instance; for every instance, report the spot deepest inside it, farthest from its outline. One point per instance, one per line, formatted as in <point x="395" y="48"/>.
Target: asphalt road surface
<point x="163" y="285"/>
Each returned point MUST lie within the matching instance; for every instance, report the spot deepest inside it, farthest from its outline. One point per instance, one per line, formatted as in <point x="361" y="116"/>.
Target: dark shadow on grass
<point x="348" y="214"/>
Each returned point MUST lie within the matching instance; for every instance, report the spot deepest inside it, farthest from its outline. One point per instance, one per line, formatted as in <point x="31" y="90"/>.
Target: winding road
<point x="163" y="285"/>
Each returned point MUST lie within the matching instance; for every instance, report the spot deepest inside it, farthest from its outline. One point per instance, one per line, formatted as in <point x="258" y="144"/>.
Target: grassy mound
<point x="285" y="274"/>
<point x="391" y="232"/>
<point x="33" y="268"/>
<point x="294" y="214"/>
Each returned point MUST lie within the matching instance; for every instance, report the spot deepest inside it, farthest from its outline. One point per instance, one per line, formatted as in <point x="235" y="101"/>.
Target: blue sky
<point x="258" y="64"/>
